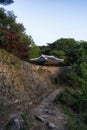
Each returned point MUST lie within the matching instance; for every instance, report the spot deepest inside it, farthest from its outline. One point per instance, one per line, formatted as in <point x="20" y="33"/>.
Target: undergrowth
<point x="75" y="108"/>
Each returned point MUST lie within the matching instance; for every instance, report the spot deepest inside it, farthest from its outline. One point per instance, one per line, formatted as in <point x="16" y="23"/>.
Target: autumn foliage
<point x="11" y="42"/>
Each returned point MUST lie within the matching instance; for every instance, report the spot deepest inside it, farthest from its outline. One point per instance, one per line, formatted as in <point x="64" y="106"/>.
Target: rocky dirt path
<point x="44" y="116"/>
<point x="47" y="115"/>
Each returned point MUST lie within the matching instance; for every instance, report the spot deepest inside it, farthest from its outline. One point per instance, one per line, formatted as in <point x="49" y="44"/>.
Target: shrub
<point x="62" y="75"/>
<point x="75" y="106"/>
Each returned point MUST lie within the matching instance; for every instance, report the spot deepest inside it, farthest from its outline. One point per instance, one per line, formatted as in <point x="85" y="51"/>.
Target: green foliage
<point x="65" y="97"/>
<point x="58" y="53"/>
<point x="8" y="20"/>
<point x="6" y="2"/>
<point x="13" y="37"/>
<point x="3" y="38"/>
<point x="76" y="102"/>
<point x="27" y="124"/>
<point x="46" y="50"/>
<point x="78" y="73"/>
<point x="65" y="48"/>
<point x="75" y="107"/>
<point x="34" y="51"/>
<point x="75" y="121"/>
<point x="65" y="43"/>
<point x="8" y="59"/>
<point x="62" y="75"/>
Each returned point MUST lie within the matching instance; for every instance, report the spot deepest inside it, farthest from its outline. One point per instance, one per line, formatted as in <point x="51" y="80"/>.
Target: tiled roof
<point x="44" y="58"/>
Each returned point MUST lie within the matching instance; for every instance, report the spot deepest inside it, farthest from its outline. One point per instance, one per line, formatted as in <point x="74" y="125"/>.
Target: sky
<point x="49" y="20"/>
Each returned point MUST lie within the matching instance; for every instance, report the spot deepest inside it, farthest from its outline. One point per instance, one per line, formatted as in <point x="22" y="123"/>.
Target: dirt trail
<point x="47" y="115"/>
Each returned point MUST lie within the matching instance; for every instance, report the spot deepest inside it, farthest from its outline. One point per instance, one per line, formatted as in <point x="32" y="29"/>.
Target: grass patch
<point x="9" y="59"/>
<point x="27" y="120"/>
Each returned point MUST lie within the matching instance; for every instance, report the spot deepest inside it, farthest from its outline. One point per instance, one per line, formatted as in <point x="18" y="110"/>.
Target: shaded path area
<point x="47" y="115"/>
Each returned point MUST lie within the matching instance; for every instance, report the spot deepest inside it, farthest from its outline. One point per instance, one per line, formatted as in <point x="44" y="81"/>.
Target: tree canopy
<point x="13" y="35"/>
<point x="6" y="2"/>
<point x="67" y="48"/>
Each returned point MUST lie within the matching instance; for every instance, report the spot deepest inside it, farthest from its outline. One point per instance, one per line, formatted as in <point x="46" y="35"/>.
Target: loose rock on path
<point x="47" y="115"/>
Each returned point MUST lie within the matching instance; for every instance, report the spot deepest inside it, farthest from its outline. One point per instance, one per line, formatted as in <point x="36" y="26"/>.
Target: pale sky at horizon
<point x="49" y="20"/>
